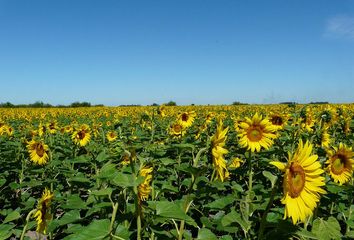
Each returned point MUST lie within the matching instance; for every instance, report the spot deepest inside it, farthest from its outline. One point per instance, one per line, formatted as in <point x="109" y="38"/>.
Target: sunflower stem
<point x="29" y="215"/>
<point x="269" y="205"/>
<point x="250" y="180"/>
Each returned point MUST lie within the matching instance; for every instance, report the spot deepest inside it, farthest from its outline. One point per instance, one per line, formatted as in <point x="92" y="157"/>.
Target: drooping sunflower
<point x="236" y="163"/>
<point x="43" y="214"/>
<point x="302" y="183"/>
<point x="38" y="152"/>
<point x="144" y="188"/>
<point x="325" y="138"/>
<point x="340" y="163"/>
<point x="42" y="129"/>
<point x="218" y="151"/>
<point x="186" y="119"/>
<point x="9" y="130"/>
<point x="111" y="136"/>
<point x="82" y="136"/>
<point x="256" y="133"/>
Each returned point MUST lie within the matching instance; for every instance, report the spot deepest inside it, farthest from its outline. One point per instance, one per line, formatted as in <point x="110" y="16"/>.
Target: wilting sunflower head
<point x="302" y="183"/>
<point x="340" y="163"/>
<point x="111" y="136"/>
<point x="186" y="119"/>
<point x="218" y="151"/>
<point x="38" y="152"/>
<point x="256" y="133"/>
<point x="325" y="138"/>
<point x="82" y="136"/>
<point x="43" y="214"/>
<point x="42" y="129"/>
<point x="236" y="163"/>
<point x="144" y="188"/>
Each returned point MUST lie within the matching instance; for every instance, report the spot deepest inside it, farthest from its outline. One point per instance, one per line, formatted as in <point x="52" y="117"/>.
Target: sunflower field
<point x="182" y="172"/>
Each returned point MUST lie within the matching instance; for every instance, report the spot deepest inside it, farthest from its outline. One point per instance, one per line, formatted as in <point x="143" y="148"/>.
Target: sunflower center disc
<point x="184" y="117"/>
<point x="81" y="134"/>
<point x="40" y="150"/>
<point x="296" y="180"/>
<point x="277" y="120"/>
<point x="338" y="164"/>
<point x="254" y="135"/>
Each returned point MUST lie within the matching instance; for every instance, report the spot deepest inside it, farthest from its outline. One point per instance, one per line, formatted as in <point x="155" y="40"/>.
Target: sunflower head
<point x="218" y="151"/>
<point x="340" y="163"/>
<point x="43" y="214"/>
<point x="256" y="133"/>
<point x="278" y="120"/>
<point x="82" y="135"/>
<point x="144" y="188"/>
<point x="302" y="183"/>
<point x="186" y="119"/>
<point x="38" y="152"/>
<point x="111" y="136"/>
<point x="177" y="130"/>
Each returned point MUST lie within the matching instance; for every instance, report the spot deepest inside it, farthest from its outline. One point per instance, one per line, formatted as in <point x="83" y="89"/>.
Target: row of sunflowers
<point x="189" y="172"/>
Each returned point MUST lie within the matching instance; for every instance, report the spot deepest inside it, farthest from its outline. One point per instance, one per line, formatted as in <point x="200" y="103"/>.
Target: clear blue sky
<point x="203" y="52"/>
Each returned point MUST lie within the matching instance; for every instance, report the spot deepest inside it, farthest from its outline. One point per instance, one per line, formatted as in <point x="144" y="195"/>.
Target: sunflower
<point x="38" y="152"/>
<point x="278" y="120"/>
<point x="177" y="130"/>
<point x="42" y="129"/>
<point x="8" y="130"/>
<point x="256" y="133"/>
<point x="236" y="163"/>
<point x="111" y="136"/>
<point x="302" y="183"/>
<point x="68" y="129"/>
<point x="42" y="214"/>
<point x="82" y="136"/>
<point x="307" y="120"/>
<point x="218" y="151"/>
<point x="52" y="127"/>
<point x="325" y="138"/>
<point x="186" y="119"/>
<point x="144" y="188"/>
<point x="340" y="163"/>
<point x="162" y="111"/>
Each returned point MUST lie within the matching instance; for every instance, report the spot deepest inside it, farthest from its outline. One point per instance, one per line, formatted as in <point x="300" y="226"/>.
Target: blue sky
<point x="190" y="51"/>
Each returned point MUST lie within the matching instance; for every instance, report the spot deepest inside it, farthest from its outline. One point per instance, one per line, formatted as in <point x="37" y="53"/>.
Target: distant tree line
<point x="40" y="104"/>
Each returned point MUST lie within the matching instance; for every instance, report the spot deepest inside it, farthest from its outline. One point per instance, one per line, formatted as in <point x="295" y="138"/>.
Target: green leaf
<point x="271" y="177"/>
<point x="2" y="181"/>
<point x="234" y="217"/>
<point x="108" y="171"/>
<point x="221" y="203"/>
<point x="5" y="231"/>
<point x="12" y="216"/>
<point x="206" y="234"/>
<point x="126" y="180"/>
<point x="305" y="234"/>
<point x="172" y="210"/>
<point x="103" y="192"/>
<point x="79" y="179"/>
<point x="97" y="230"/>
<point x="102" y="156"/>
<point x="329" y="229"/>
<point x="74" y="202"/>
<point x="122" y="232"/>
<point x="69" y="217"/>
